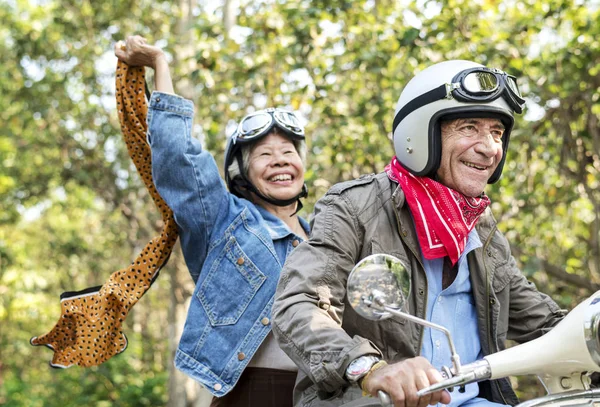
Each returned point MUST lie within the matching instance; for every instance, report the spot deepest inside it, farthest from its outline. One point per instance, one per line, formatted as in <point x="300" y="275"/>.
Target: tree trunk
<point x="229" y="15"/>
<point x="183" y="390"/>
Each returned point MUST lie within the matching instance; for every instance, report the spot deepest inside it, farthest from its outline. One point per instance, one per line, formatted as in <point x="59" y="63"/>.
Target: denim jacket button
<point x="217" y="386"/>
<point x="240" y="261"/>
<point x="241" y="356"/>
<point x="265" y="321"/>
<point x="295" y="243"/>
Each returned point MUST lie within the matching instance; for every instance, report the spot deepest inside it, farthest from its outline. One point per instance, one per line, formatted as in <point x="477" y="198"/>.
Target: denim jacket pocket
<point x="230" y="285"/>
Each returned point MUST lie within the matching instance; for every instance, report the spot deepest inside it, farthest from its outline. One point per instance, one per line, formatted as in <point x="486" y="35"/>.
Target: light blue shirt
<point x="454" y="309"/>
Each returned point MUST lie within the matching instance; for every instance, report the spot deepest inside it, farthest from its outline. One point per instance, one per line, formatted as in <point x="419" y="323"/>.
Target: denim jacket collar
<point x="276" y="227"/>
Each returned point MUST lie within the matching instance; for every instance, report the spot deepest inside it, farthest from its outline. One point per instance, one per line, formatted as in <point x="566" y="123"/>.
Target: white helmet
<point x="445" y="91"/>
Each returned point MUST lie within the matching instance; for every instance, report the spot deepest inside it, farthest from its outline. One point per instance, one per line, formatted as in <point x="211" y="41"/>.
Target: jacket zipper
<point x="423" y="314"/>
<point x="487" y="305"/>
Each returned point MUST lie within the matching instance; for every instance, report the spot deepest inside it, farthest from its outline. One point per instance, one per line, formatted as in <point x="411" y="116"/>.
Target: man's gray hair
<point x="234" y="168"/>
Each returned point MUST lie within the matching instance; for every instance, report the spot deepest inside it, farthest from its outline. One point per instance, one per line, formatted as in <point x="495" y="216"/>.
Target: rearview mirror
<point x="378" y="280"/>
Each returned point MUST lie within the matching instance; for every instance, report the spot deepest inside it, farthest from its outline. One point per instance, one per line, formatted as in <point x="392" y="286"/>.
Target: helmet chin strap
<point x="246" y="184"/>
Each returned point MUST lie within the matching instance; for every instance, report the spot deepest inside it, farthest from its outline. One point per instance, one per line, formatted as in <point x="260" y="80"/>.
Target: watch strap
<point x="363" y="380"/>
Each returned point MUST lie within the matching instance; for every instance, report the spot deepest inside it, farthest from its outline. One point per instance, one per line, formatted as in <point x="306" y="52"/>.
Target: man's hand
<point x="402" y="380"/>
<point x="137" y="52"/>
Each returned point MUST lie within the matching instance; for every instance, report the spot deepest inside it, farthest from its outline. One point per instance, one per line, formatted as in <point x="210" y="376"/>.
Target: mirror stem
<point x="380" y="303"/>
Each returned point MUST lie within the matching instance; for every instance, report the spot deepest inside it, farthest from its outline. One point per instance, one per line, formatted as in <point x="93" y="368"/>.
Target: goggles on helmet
<point x="472" y="85"/>
<point x="257" y="124"/>
<point x="485" y="85"/>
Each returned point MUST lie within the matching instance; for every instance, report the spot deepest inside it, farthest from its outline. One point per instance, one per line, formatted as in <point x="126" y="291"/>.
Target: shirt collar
<point x="277" y="228"/>
<point x="473" y="242"/>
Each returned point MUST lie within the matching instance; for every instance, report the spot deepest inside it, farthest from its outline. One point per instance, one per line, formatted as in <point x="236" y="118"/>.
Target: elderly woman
<point x="235" y="239"/>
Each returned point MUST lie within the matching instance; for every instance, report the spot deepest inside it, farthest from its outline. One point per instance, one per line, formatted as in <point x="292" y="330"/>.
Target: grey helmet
<point x="445" y="91"/>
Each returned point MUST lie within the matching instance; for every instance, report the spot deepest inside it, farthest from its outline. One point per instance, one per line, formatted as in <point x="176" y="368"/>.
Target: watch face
<point x="360" y="367"/>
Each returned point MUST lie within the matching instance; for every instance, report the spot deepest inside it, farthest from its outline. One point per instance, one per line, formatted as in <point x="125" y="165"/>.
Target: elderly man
<point x="451" y="132"/>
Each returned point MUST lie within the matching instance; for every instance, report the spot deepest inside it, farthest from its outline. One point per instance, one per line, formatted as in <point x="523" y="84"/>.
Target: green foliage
<point x="113" y="384"/>
<point x="74" y="210"/>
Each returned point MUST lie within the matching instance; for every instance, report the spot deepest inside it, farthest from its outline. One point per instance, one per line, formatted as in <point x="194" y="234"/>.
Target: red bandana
<point x="443" y="217"/>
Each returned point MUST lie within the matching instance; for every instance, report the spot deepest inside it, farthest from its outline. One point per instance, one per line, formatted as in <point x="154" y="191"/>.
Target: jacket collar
<point x="486" y="225"/>
<point x="398" y="196"/>
<point x="405" y="221"/>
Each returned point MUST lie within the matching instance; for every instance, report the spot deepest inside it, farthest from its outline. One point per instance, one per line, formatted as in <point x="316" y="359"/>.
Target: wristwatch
<point x="360" y="367"/>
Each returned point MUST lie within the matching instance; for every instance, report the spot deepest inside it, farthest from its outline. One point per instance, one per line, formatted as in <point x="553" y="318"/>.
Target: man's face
<point x="471" y="151"/>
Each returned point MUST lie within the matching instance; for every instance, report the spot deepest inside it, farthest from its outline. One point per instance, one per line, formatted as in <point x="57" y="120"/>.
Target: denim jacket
<point x="234" y="250"/>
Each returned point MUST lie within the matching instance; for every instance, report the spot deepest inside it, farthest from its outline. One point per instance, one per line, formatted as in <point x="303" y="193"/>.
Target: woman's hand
<point x="137" y="52"/>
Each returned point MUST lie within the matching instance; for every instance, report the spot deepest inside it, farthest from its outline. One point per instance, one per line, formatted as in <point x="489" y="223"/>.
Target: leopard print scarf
<point x="89" y="329"/>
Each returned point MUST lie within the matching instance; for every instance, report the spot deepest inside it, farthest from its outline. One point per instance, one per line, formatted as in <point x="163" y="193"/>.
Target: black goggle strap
<point x="420" y="101"/>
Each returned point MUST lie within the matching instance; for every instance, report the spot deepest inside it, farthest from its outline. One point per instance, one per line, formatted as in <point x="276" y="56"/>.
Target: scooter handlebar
<point x="384" y="399"/>
<point x="473" y="372"/>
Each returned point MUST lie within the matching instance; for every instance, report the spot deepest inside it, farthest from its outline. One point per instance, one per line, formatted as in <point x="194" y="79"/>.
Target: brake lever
<point x="459" y="380"/>
<point x="473" y="372"/>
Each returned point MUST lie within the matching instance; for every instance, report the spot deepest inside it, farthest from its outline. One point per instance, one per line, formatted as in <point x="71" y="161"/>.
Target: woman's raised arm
<point x="135" y="51"/>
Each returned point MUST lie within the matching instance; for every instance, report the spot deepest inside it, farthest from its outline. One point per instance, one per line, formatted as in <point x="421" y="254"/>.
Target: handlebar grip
<point x="384" y="399"/>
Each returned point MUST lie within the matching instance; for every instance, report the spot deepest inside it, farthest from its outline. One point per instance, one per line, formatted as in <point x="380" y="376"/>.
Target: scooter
<point x="563" y="359"/>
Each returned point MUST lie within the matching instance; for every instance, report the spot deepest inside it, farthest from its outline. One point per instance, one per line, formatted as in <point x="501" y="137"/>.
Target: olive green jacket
<point x="317" y="328"/>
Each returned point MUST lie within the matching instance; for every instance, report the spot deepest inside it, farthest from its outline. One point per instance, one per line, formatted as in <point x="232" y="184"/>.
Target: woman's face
<point x="275" y="167"/>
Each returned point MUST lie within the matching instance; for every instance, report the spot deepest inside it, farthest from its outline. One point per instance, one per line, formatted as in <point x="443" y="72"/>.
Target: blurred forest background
<point x="73" y="209"/>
